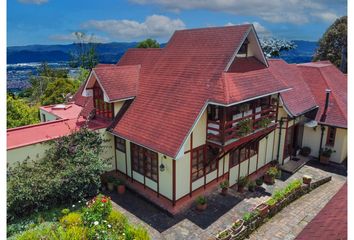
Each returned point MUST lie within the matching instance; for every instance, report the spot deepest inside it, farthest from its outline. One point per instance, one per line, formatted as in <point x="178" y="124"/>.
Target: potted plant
<point x="201" y="203"/>
<point x="250" y="216"/>
<point x="245" y="127"/>
<point x="270" y="175"/>
<point x="242" y="182"/>
<point x="237" y="226"/>
<point x="110" y="183"/>
<point x="306" y="179"/>
<point x="326" y="155"/>
<point x="264" y="122"/>
<point x="251" y="186"/>
<point x="305" y="151"/>
<point x="271" y="202"/>
<point x="259" y="182"/>
<point x="224" y="186"/>
<point x="224" y="235"/>
<point x="262" y="209"/>
<point x="120" y="186"/>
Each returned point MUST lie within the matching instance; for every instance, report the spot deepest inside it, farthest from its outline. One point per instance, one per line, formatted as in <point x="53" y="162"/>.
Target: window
<point x="197" y="163"/>
<point x="103" y="109"/>
<point x="144" y="161"/>
<point x="43" y="117"/>
<point x="211" y="159"/>
<point x="243" y="153"/>
<point x="331" y="136"/>
<point x="243" y="49"/>
<point x="120" y="144"/>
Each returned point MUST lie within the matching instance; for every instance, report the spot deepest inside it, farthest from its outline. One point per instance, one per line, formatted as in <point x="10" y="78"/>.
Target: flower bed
<point x="95" y="220"/>
<point x="280" y="198"/>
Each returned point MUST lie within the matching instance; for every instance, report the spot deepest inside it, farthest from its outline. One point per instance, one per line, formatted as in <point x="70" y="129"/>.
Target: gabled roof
<point x="117" y="82"/>
<point x="177" y="82"/>
<point x="299" y="99"/>
<point x="320" y="76"/>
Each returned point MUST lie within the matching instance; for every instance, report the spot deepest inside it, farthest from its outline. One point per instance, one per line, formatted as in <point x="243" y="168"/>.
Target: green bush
<point x="71" y="233"/>
<point x="70" y="171"/>
<point x="117" y="221"/>
<point x="43" y="231"/>
<point x="72" y="219"/>
<point x="201" y="200"/>
<point x="136" y="233"/>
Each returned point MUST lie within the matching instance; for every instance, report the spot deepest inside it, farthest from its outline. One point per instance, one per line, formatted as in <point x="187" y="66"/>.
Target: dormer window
<point x="102" y="108"/>
<point x="244" y="47"/>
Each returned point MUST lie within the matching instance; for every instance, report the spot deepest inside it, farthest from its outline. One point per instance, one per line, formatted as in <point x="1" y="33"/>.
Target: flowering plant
<point x="97" y="209"/>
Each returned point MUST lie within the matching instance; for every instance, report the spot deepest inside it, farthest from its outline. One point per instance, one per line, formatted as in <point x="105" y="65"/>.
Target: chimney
<point x="324" y="114"/>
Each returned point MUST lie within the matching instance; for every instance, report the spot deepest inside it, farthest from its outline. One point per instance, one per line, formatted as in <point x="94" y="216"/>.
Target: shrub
<point x="278" y="195"/>
<point x="118" y="221"/>
<point x="70" y="171"/>
<point x="138" y="233"/>
<point x="251" y="185"/>
<point x="65" y="211"/>
<point x="250" y="215"/>
<point x="201" y="200"/>
<point x="71" y="233"/>
<point x="42" y="231"/>
<point x="271" y="202"/>
<point x="72" y="219"/>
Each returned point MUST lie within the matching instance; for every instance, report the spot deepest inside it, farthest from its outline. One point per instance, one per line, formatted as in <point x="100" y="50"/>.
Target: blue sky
<point x="55" y="21"/>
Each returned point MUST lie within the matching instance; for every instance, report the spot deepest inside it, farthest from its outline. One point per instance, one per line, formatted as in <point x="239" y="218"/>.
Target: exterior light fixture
<point x="162" y="167"/>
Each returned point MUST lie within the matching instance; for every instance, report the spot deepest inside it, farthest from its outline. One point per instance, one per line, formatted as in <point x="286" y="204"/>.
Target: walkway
<point x="222" y="211"/>
<point x="291" y="220"/>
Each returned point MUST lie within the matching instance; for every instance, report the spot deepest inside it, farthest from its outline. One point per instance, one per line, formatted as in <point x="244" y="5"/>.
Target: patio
<point x="222" y="211"/>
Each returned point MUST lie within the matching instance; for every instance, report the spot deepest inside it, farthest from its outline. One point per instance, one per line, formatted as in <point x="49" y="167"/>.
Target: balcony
<point x="228" y="125"/>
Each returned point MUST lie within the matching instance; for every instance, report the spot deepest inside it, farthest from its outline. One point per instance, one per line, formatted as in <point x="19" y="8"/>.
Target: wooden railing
<point x="223" y="131"/>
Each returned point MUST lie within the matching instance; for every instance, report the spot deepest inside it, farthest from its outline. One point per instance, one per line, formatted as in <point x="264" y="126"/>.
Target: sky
<point x="56" y="21"/>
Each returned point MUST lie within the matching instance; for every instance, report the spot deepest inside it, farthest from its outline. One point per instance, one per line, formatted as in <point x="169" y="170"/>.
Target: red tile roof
<point x="299" y="99"/>
<point x="320" y="76"/>
<point x="331" y="222"/>
<point x="37" y="133"/>
<point x="177" y="82"/>
<point x="70" y="111"/>
<point x="118" y="82"/>
<point x="251" y="78"/>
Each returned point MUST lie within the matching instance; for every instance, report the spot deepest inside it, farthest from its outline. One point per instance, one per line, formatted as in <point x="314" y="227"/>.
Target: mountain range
<point x="111" y="52"/>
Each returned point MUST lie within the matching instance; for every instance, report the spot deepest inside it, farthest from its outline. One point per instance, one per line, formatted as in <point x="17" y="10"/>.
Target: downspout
<point x="280" y="129"/>
<point x="323" y="119"/>
<point x="320" y="149"/>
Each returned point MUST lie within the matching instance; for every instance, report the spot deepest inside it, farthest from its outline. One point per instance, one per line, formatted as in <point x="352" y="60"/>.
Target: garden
<point x="94" y="219"/>
<point x="46" y="198"/>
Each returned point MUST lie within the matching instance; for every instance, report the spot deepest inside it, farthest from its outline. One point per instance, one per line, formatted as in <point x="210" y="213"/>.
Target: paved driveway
<point x="222" y="211"/>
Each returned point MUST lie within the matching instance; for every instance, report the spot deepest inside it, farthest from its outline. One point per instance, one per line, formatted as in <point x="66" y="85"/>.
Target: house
<point x="208" y="107"/>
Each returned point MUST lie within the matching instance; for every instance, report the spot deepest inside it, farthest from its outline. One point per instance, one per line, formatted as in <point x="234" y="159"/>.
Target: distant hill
<point x="107" y="52"/>
<point x="111" y="52"/>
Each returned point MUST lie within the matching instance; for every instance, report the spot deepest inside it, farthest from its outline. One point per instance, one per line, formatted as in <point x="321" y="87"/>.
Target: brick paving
<point x="285" y="225"/>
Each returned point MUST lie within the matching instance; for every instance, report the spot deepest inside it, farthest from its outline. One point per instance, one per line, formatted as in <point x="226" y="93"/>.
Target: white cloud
<point x="38" y="2"/>
<point x="260" y="29"/>
<point x="275" y="11"/>
<point x="155" y="26"/>
<point x="326" y="16"/>
<point x="71" y="37"/>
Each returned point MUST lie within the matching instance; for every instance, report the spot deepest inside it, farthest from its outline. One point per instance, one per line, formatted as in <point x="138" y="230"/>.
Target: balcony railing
<point x="242" y="125"/>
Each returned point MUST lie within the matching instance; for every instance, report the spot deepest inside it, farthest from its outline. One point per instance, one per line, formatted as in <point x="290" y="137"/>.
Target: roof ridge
<point x="37" y="124"/>
<point x="213" y="27"/>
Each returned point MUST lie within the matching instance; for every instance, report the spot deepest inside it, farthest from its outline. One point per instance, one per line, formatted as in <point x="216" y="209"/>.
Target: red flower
<point x="104" y="200"/>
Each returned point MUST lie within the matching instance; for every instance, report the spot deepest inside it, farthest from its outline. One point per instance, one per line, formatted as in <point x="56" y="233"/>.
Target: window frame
<point x="102" y="108"/>
<point x="330" y="140"/>
<point x="245" y="150"/>
<point x="144" y="162"/>
<point x="120" y="144"/>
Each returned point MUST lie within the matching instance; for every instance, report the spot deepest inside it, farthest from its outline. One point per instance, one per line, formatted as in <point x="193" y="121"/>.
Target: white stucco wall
<point x="48" y="116"/>
<point x="33" y="152"/>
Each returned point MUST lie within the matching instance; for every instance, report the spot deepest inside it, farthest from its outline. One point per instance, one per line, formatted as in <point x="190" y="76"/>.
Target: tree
<point x="85" y="55"/>
<point x="57" y="91"/>
<point x="19" y="113"/>
<point x="333" y="44"/>
<point x="148" y="43"/>
<point x="51" y="85"/>
<point x="70" y="171"/>
<point x="272" y="47"/>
